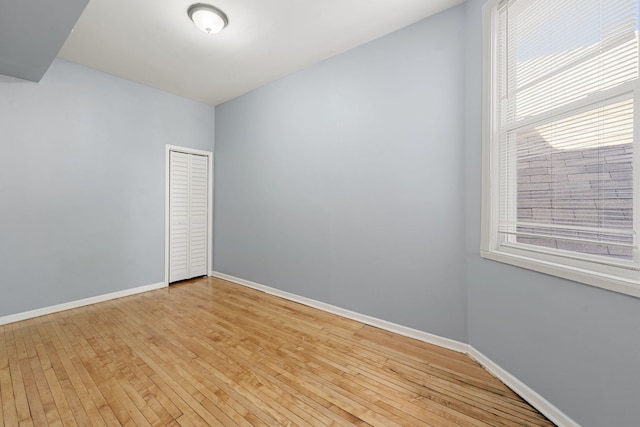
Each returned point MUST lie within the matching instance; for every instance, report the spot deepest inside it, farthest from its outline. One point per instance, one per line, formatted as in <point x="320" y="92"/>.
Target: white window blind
<point x="566" y="112"/>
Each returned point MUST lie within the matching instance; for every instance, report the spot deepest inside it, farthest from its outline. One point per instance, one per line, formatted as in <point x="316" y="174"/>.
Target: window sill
<point x="592" y="278"/>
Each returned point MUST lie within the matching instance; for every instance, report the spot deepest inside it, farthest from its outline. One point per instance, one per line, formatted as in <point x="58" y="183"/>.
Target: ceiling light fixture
<point x="207" y="18"/>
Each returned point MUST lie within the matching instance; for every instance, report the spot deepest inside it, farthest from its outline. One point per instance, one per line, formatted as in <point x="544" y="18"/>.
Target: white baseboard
<point x="79" y="303"/>
<point x="524" y="391"/>
<point x="363" y="318"/>
<point x="527" y="393"/>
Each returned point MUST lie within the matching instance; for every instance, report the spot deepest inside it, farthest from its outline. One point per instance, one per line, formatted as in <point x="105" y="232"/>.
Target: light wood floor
<point x="209" y="352"/>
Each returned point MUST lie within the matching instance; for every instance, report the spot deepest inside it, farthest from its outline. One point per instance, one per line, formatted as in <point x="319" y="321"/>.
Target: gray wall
<point x="343" y="182"/>
<point x="82" y="183"/>
<point x="32" y="33"/>
<point x="576" y="345"/>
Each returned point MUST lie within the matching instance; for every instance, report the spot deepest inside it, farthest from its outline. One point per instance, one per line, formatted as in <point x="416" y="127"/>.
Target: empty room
<point x="336" y="212"/>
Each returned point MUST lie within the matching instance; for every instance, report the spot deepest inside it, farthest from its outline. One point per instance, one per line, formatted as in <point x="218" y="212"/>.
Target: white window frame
<point x="624" y="277"/>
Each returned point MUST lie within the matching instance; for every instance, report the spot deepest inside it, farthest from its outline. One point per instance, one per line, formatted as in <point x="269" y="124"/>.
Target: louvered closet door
<point x="198" y="216"/>
<point x="188" y="177"/>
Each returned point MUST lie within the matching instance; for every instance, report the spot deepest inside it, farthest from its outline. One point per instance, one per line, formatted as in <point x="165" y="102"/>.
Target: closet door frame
<point x="209" y="154"/>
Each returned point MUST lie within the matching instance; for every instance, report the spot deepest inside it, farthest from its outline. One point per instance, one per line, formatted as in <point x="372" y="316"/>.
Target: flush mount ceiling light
<point x="207" y="18"/>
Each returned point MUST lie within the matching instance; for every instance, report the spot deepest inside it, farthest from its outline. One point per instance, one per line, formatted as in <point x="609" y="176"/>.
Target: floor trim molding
<point x="368" y="320"/>
<point x="527" y="393"/>
<point x="78" y="303"/>
<point x="524" y="391"/>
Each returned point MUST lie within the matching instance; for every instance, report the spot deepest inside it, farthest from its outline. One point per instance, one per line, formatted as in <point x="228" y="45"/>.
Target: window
<point x="560" y="153"/>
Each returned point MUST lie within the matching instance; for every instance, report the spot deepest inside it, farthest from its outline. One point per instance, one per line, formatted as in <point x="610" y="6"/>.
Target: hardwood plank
<point x="17" y="382"/>
<point x="28" y="422"/>
<point x="8" y="413"/>
<point x="4" y="354"/>
<point x="66" y="414"/>
<point x="122" y="375"/>
<point x="316" y="357"/>
<point x="474" y="365"/>
<point x="306" y="361"/>
<point x="362" y="392"/>
<point x="209" y="352"/>
<point x="79" y="382"/>
<point x="166" y="367"/>
<point x="68" y="391"/>
<point x="36" y="409"/>
<point x="228" y="362"/>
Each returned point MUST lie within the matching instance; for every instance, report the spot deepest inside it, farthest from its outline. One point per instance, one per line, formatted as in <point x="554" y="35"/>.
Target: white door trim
<point x="209" y="155"/>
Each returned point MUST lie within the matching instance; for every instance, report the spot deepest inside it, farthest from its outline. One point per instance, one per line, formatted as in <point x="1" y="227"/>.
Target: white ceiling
<point x="154" y="43"/>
